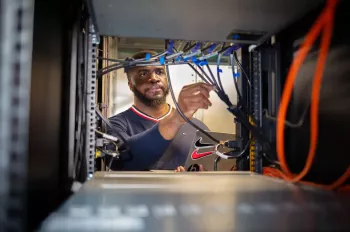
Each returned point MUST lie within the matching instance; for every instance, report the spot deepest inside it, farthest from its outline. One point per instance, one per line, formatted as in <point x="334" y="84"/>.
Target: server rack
<point x="47" y="166"/>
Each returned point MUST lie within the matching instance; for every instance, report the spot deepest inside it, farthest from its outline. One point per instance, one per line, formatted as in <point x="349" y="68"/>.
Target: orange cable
<point x="297" y="62"/>
<point x="323" y="23"/>
<point x="274" y="172"/>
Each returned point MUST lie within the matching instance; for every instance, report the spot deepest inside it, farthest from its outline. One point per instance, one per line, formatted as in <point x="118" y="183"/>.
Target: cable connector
<point x="208" y="56"/>
<point x="196" y="47"/>
<point x="234" y="143"/>
<point x="192" y="54"/>
<point x="176" y="55"/>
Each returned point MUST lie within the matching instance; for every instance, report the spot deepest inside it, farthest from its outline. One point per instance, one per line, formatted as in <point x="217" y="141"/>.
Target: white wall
<point x="217" y="118"/>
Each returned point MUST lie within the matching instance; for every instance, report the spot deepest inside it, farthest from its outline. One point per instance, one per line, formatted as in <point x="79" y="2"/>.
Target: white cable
<point x="223" y="156"/>
<point x="107" y="136"/>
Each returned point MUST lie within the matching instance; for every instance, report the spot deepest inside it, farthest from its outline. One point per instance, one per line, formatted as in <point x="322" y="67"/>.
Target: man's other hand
<point x="182" y="169"/>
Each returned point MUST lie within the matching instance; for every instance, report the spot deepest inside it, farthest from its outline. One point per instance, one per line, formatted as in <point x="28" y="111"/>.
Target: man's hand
<point x="191" y="98"/>
<point x="194" y="97"/>
<point x="182" y="169"/>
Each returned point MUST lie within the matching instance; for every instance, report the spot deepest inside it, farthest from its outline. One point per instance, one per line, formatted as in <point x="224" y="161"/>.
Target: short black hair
<point x="139" y="55"/>
<point x="142" y="54"/>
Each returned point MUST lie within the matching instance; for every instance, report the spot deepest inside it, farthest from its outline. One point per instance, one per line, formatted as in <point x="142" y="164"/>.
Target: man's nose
<point x="154" y="78"/>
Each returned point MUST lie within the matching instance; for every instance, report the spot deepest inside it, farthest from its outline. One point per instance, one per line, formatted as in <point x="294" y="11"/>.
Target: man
<point x="158" y="137"/>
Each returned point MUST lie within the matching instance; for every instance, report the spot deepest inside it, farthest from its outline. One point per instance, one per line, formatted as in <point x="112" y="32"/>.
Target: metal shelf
<point x="206" y="201"/>
<point x="198" y="19"/>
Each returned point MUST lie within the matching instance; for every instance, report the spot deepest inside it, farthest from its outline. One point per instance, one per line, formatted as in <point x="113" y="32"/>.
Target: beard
<point x="154" y="103"/>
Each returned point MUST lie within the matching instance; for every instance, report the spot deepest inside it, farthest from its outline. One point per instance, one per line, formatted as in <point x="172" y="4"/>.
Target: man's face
<point x="149" y="84"/>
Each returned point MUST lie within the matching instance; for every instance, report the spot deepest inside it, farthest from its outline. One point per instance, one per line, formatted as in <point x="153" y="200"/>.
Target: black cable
<point x="213" y="77"/>
<point x="109" y="59"/>
<point x="108" y="123"/>
<point x="240" y="98"/>
<point x="288" y="123"/>
<point x="232" y="155"/>
<point x="235" y="155"/>
<point x="186" y="45"/>
<point x="123" y="64"/>
<point x="213" y="82"/>
<point x="189" y="48"/>
<point x="206" y="47"/>
<point x="101" y="73"/>
<point x="206" y="75"/>
<point x="108" y="67"/>
<point x="221" y="94"/>
<point x="270" y="160"/>
<point x="218" y="71"/>
<point x="201" y="76"/>
<point x="242" y="69"/>
<point x="110" y="163"/>
<point x="180" y="112"/>
<point x="224" y="49"/>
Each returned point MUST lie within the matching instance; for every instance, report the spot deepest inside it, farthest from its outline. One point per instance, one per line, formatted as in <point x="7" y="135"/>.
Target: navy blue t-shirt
<point x="148" y="149"/>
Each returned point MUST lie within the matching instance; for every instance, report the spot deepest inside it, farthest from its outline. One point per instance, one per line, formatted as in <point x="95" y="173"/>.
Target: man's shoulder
<point x="122" y="116"/>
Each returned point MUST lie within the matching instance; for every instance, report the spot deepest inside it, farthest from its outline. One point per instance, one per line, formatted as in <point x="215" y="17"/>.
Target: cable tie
<point x="162" y="60"/>
<point x="219" y="70"/>
<point x="148" y="56"/>
<point x="204" y="62"/>
<point x="236" y="75"/>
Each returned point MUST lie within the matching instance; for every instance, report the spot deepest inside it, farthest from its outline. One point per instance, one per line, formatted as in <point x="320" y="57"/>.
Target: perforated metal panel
<point x="257" y="105"/>
<point x="90" y="103"/>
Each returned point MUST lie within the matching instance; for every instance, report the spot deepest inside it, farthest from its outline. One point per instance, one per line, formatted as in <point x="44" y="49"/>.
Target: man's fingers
<point x="194" y="106"/>
<point x="209" y="87"/>
<point x="194" y="90"/>
<point x="198" y="98"/>
<point x="180" y="169"/>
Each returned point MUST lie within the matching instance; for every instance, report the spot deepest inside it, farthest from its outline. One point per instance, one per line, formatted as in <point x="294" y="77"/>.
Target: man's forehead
<point x="147" y="68"/>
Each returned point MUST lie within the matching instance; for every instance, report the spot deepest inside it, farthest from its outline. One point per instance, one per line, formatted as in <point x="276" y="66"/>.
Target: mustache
<point x="158" y="86"/>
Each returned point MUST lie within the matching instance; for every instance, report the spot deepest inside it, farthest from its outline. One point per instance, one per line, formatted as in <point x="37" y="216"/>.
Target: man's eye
<point x="143" y="73"/>
<point x="160" y="72"/>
